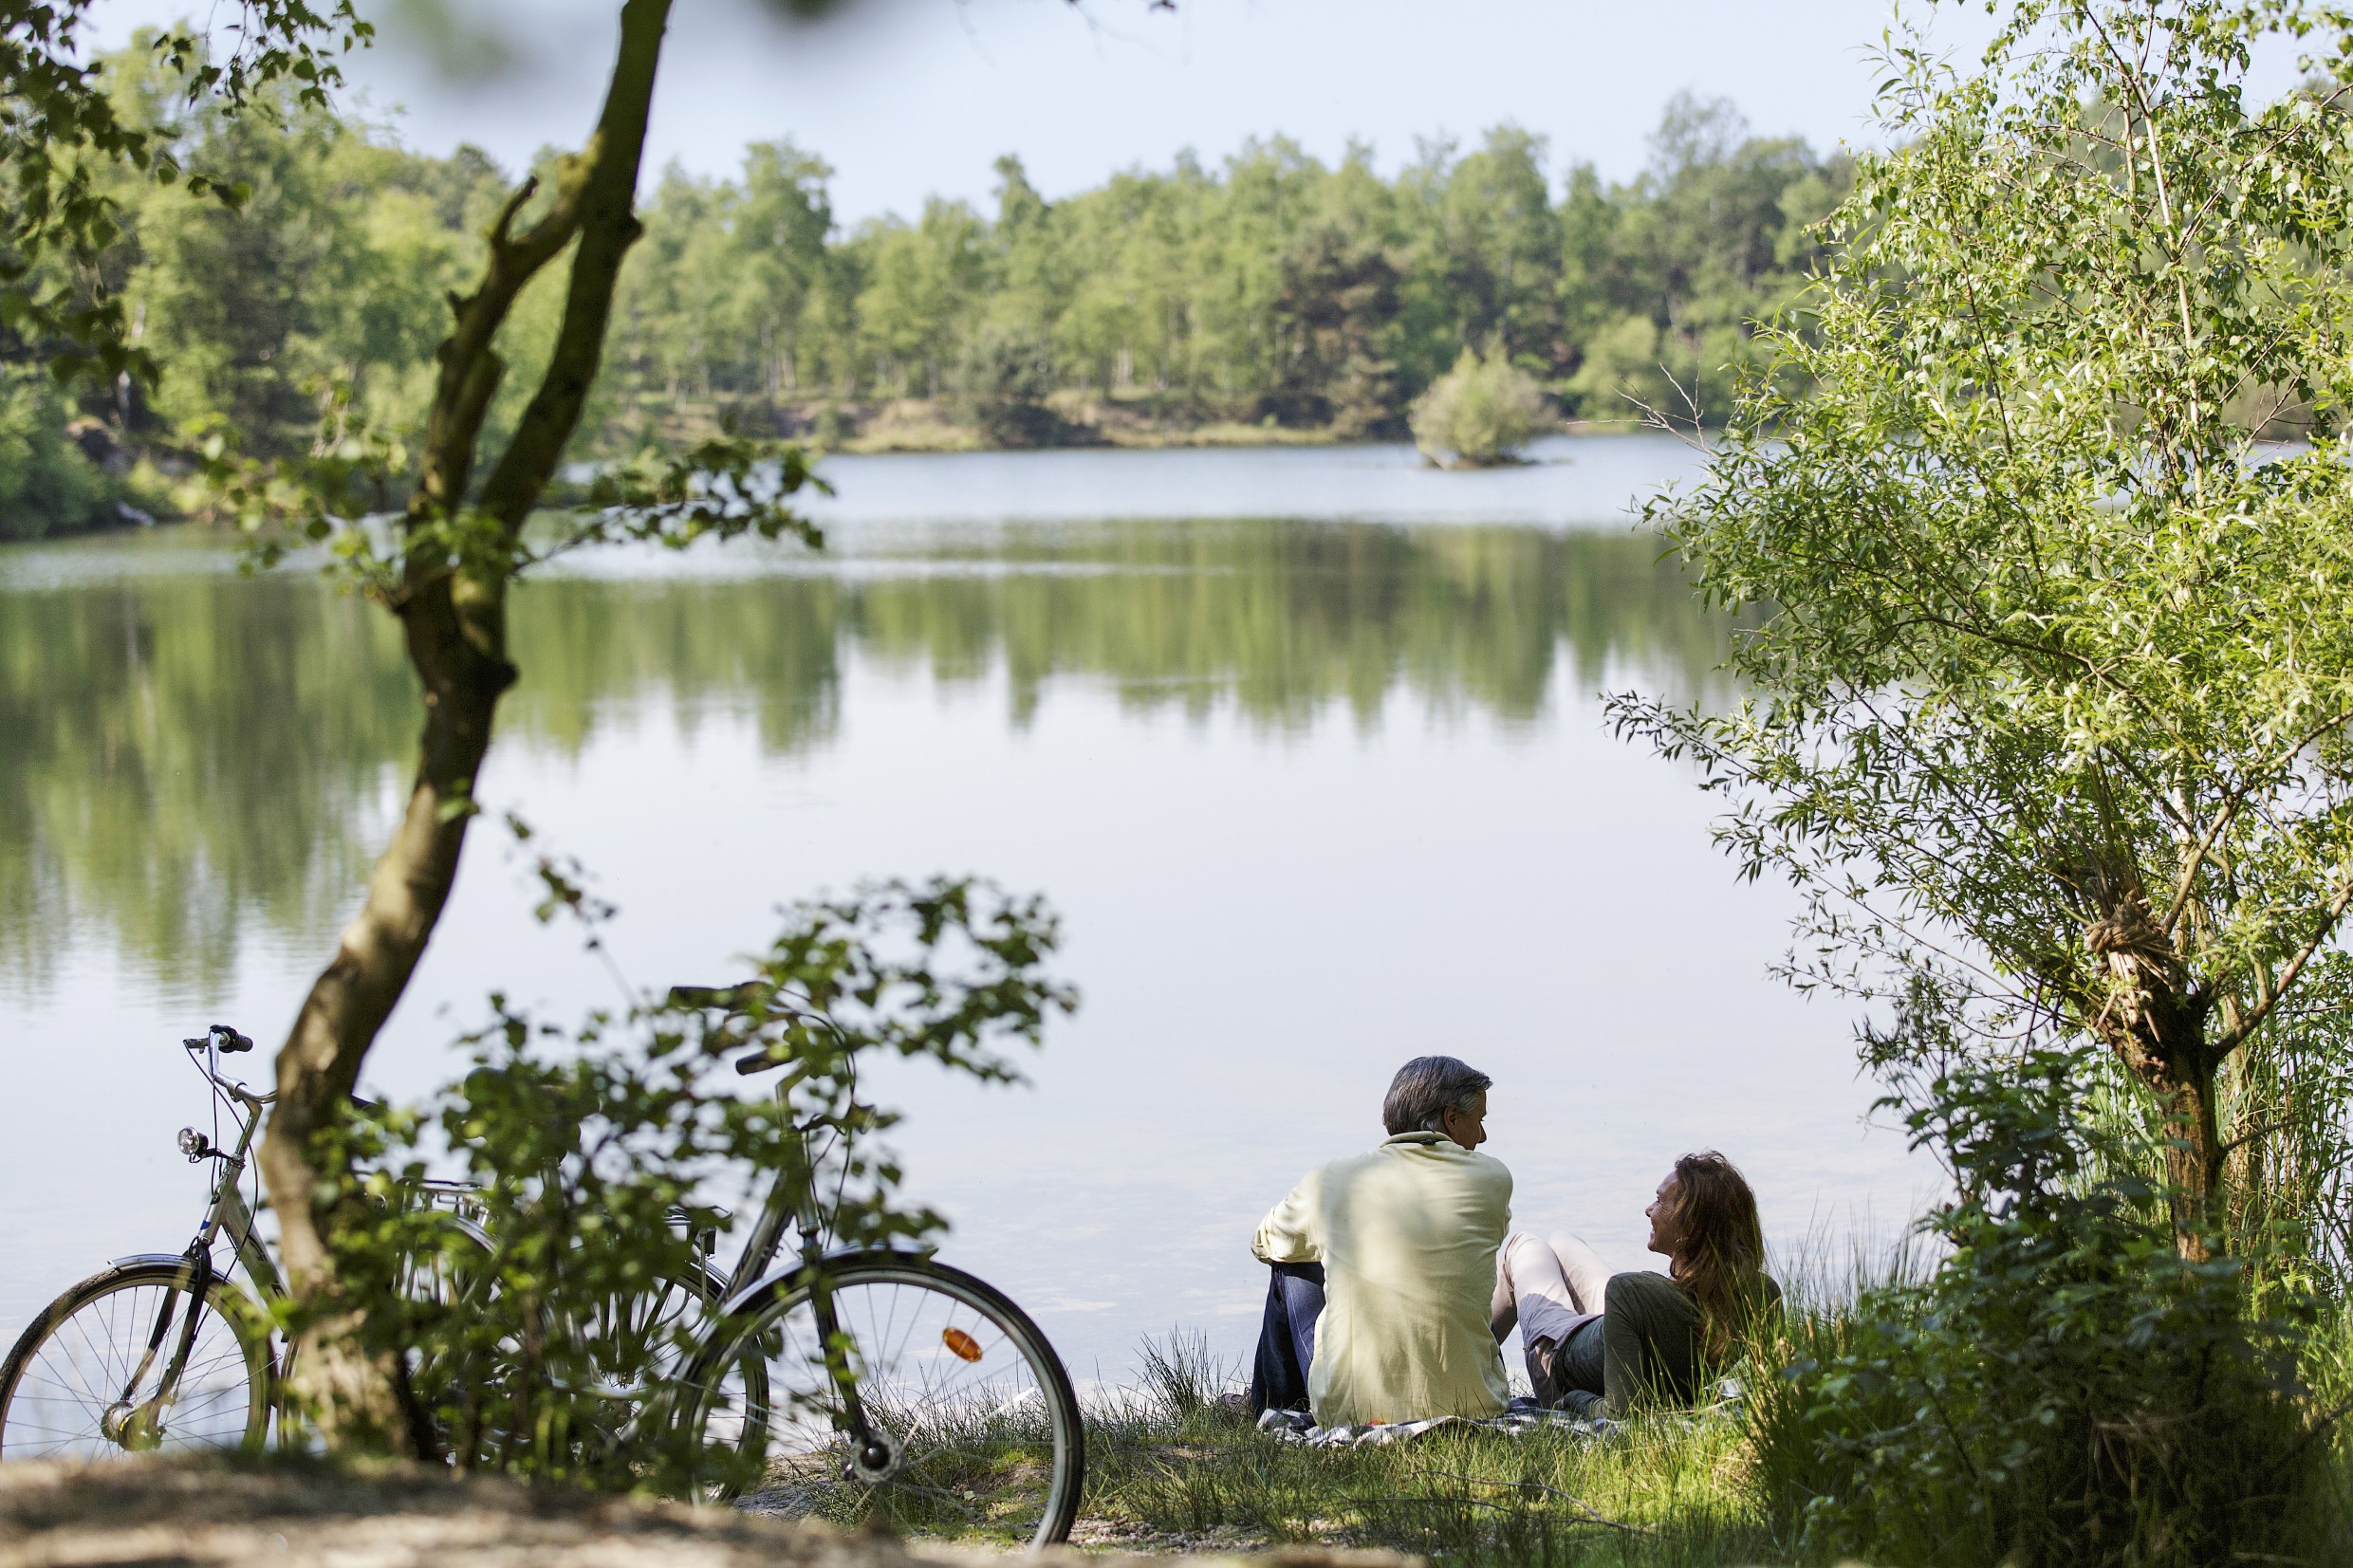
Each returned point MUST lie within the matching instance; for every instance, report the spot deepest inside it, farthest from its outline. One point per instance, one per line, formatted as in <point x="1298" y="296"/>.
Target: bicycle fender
<point x="145" y="1260"/>
<point x="742" y="1300"/>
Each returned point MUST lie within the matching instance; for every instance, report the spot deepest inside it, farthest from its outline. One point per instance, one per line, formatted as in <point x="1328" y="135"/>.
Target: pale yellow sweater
<point x="1407" y="1237"/>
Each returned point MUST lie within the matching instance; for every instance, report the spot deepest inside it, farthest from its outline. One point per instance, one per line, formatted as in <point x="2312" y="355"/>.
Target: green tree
<point x="1665" y="280"/>
<point x="2050" y="708"/>
<point x="780" y="232"/>
<point x="1480" y="413"/>
<point x="46" y="480"/>
<point x="63" y="139"/>
<point x="922" y="283"/>
<point x="446" y="571"/>
<point x="454" y="553"/>
<point x="1490" y="247"/>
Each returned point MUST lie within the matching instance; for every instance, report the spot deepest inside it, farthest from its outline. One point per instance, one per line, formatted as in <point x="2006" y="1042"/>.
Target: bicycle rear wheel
<point x="66" y="1389"/>
<point x="979" y="1428"/>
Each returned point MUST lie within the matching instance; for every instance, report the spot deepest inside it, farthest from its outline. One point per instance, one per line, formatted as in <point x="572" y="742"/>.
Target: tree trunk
<point x="2165" y="1047"/>
<point x="455" y="622"/>
<point x="2194" y="1158"/>
<point x="355" y="1398"/>
<point x="2155" y="1020"/>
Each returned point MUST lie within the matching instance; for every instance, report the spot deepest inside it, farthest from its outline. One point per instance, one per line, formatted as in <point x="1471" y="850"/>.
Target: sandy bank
<point x="293" y="1514"/>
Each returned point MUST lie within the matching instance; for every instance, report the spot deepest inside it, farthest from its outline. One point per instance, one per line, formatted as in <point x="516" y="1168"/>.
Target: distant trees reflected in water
<point x="196" y="762"/>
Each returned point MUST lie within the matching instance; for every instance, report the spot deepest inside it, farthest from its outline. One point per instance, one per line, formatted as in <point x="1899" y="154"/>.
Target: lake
<point x="1305" y="745"/>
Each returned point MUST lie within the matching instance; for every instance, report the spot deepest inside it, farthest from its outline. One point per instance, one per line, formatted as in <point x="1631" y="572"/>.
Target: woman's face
<point x="1661" y="1211"/>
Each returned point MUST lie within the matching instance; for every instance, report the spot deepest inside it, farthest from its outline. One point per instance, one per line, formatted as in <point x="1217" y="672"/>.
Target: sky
<point x="908" y="98"/>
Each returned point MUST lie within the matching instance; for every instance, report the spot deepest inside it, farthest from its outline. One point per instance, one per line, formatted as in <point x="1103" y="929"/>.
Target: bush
<point x="1002" y="386"/>
<point x="2063" y="1388"/>
<point x="1480" y="413"/>
<point x="47" y="485"/>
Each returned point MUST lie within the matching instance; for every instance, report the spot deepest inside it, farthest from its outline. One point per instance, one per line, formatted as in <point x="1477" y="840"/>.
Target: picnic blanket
<point x="1524" y="1415"/>
<point x="1298" y="1427"/>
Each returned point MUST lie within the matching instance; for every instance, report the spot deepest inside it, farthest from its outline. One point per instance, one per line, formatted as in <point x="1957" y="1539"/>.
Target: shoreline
<point x="901" y="438"/>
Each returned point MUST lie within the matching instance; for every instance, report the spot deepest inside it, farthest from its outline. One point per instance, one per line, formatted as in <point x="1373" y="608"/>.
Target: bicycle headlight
<point x="194" y="1144"/>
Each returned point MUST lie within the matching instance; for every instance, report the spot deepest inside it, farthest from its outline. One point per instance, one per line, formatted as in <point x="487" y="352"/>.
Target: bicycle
<point x="856" y="1384"/>
<point x="873" y="1385"/>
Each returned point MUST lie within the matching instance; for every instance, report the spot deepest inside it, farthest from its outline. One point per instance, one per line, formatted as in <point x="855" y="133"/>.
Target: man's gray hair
<point x="1428" y="1087"/>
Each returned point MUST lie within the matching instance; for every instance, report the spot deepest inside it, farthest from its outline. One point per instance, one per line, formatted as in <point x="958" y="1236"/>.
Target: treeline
<point x="1272" y="286"/>
<point x="1270" y="290"/>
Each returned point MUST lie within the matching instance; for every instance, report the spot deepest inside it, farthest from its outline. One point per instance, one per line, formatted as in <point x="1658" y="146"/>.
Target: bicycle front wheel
<point x="974" y="1432"/>
<point x="81" y="1383"/>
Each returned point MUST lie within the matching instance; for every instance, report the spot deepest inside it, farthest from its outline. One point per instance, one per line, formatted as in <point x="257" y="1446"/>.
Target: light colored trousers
<point x="1547" y="1287"/>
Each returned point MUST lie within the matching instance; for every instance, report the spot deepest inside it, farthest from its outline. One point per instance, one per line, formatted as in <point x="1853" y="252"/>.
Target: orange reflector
<point x="960" y="1344"/>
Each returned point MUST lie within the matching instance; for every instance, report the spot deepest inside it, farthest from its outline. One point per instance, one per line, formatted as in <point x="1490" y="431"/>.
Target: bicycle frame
<point x="230" y="1214"/>
<point x="792" y="1201"/>
<point x="140" y="1426"/>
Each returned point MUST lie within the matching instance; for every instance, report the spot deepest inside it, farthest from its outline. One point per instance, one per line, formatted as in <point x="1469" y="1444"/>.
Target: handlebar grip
<point x="230" y="1040"/>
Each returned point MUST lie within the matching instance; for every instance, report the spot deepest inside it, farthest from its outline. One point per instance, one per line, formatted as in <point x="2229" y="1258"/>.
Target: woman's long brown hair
<point x="1719" y="1246"/>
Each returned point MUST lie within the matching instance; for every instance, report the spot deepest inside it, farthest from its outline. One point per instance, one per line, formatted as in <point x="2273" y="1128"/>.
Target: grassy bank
<point x="1170" y="1471"/>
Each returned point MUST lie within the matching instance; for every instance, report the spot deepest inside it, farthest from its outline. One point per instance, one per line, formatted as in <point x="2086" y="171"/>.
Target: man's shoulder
<point x="1492" y="1174"/>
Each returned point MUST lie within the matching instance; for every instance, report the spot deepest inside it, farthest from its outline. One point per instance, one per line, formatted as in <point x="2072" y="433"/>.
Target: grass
<point x="1168" y="1469"/>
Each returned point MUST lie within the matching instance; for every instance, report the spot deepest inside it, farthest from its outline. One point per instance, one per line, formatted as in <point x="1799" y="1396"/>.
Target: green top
<point x="1652" y="1343"/>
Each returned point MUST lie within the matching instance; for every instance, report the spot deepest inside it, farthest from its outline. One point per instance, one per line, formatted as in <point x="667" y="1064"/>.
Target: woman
<point x="1598" y="1342"/>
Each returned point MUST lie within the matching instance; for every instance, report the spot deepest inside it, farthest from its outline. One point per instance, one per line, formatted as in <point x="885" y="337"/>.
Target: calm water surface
<point x="1305" y="745"/>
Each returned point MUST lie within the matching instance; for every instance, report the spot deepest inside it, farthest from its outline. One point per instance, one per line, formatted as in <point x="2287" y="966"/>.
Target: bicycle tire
<point x="971" y="1425"/>
<point x="67" y="1370"/>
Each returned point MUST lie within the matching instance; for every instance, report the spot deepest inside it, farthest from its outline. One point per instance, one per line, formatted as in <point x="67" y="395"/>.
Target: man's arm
<point x="1288" y="1234"/>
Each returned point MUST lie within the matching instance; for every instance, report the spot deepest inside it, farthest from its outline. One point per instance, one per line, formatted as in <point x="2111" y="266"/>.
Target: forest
<point x="1270" y="297"/>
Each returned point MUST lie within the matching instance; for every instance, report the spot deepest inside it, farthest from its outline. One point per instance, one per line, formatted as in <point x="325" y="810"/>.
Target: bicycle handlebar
<point x="243" y="1095"/>
<point x="229" y="1039"/>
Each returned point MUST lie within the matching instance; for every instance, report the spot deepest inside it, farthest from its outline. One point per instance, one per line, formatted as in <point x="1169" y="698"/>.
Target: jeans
<point x="1286" y="1338"/>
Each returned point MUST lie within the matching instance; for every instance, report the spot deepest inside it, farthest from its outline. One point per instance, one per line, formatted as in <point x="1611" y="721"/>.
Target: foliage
<point x="321" y="298"/>
<point x="592" y="1159"/>
<point x="2050" y="713"/>
<point x="1003" y="385"/>
<point x="1481" y="413"/>
<point x="65" y="145"/>
<point x="1274" y="287"/>
<point x="2062" y="1388"/>
<point x="47" y="482"/>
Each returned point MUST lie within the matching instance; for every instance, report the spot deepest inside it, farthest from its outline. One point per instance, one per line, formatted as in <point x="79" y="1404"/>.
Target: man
<point x="1385" y="1263"/>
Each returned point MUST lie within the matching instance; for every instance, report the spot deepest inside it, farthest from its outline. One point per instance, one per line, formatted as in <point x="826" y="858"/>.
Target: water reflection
<point x="194" y="758"/>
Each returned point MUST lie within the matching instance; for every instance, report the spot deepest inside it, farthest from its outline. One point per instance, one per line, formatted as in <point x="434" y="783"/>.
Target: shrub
<point x="47" y="485"/>
<point x="1480" y="412"/>
<point x="2063" y="1388"/>
<point x="1002" y="386"/>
